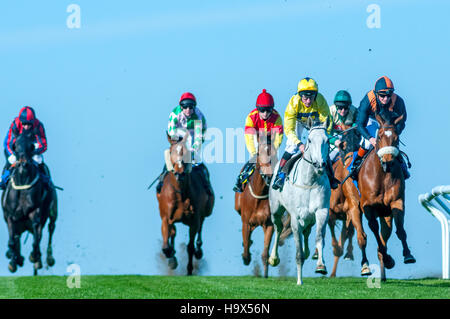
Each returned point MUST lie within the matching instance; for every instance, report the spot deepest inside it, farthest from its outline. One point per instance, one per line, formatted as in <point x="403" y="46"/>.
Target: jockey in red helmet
<point x="263" y="119"/>
<point x="25" y="121"/>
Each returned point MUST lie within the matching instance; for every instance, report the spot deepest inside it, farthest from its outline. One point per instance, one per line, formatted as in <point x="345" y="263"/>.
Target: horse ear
<point x="310" y="122"/>
<point x="398" y="119"/>
<point x="379" y="119"/>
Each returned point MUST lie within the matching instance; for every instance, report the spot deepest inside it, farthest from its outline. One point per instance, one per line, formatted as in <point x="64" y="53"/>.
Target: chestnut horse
<point x="183" y="198"/>
<point x="253" y="203"/>
<point x="382" y="186"/>
<point x="344" y="206"/>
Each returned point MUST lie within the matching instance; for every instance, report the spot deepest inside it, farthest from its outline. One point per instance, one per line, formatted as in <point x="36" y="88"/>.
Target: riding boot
<point x="245" y="174"/>
<point x="206" y="181"/>
<point x="44" y="173"/>
<point x="405" y="171"/>
<point x="5" y="176"/>
<point x="356" y="163"/>
<point x="281" y="175"/>
<point x="334" y="182"/>
<point x="161" y="179"/>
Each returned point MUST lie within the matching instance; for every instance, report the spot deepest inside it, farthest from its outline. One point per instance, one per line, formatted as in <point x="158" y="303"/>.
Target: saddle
<point x="290" y="163"/>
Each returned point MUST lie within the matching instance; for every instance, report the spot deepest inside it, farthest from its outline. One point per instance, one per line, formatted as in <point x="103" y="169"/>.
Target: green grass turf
<point x="211" y="287"/>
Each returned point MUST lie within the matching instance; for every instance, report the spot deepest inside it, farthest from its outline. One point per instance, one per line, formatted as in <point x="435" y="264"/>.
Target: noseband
<point x="388" y="150"/>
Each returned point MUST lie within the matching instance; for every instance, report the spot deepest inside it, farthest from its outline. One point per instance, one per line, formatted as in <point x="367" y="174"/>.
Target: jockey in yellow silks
<point x="307" y="103"/>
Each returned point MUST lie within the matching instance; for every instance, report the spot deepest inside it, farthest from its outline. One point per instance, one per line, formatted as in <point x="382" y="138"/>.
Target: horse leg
<point x="337" y="251"/>
<point x="337" y="246"/>
<point x="13" y="252"/>
<point x="268" y="233"/>
<point x="274" y="259"/>
<point x="53" y="214"/>
<point x="350" y="231"/>
<point x="198" y="254"/>
<point x="165" y="231"/>
<point x="375" y="228"/>
<point x="246" y="234"/>
<point x="399" y="216"/>
<point x="297" y="231"/>
<point x="321" y="220"/>
<point x="193" y="229"/>
<point x="35" y="256"/>
<point x="386" y="231"/>
<point x="51" y="230"/>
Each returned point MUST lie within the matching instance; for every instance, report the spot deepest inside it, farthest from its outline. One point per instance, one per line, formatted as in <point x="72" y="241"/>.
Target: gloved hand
<point x="12" y="159"/>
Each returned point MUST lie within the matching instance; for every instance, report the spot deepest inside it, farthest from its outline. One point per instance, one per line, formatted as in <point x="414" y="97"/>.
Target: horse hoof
<point x="365" y="270"/>
<point x="12" y="267"/>
<point x="168" y="252"/>
<point x="20" y="261"/>
<point x="409" y="259"/>
<point x="348" y="256"/>
<point x="37" y="265"/>
<point x="173" y="263"/>
<point x="274" y="261"/>
<point x="321" y="270"/>
<point x="198" y="253"/>
<point x="50" y="261"/>
<point x="389" y="262"/>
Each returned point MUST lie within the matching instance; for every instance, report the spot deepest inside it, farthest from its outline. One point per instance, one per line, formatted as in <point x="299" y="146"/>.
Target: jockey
<point x="308" y="102"/>
<point x="263" y="120"/>
<point x="381" y="98"/>
<point x="186" y="116"/>
<point x="343" y="112"/>
<point x="25" y="121"/>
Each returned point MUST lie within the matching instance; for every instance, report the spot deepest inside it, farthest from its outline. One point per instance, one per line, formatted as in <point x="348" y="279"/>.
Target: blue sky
<point x="104" y="93"/>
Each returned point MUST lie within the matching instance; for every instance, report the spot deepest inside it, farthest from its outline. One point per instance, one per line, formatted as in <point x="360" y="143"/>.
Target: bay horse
<point x="183" y="198"/>
<point x="253" y="203"/>
<point x="344" y="205"/>
<point x="306" y="197"/>
<point x="382" y="186"/>
<point x="27" y="203"/>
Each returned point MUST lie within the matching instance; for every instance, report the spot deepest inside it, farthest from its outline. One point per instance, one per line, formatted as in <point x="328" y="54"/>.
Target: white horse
<point x="306" y="197"/>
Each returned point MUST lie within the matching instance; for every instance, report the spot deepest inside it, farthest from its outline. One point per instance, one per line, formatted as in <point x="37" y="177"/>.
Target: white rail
<point x="426" y="201"/>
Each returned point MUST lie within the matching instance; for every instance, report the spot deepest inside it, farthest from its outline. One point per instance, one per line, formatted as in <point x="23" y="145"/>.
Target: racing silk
<point x="370" y="104"/>
<point x="254" y="125"/>
<point x="195" y="125"/>
<point x="339" y="121"/>
<point x="16" y="129"/>
<point x="297" y="111"/>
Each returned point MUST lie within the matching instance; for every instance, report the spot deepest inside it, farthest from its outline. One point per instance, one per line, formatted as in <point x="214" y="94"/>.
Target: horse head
<point x="24" y="150"/>
<point x="350" y="140"/>
<point x="387" y="138"/>
<point x="266" y="158"/>
<point x="317" y="147"/>
<point x="180" y="156"/>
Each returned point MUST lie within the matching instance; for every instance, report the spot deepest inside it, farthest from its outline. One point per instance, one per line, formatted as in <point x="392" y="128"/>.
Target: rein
<point x="24" y="187"/>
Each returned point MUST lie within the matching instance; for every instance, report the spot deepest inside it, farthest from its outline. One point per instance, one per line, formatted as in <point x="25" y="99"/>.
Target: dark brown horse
<point x="27" y="204"/>
<point x="253" y="203"/>
<point x="183" y="198"/>
<point x="382" y="186"/>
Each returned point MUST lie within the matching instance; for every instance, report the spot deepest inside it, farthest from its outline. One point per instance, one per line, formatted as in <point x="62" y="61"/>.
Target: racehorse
<point x="306" y="197"/>
<point x="27" y="204"/>
<point x="183" y="198"/>
<point x="382" y="187"/>
<point x="253" y="203"/>
<point x="344" y="206"/>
